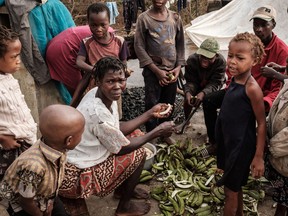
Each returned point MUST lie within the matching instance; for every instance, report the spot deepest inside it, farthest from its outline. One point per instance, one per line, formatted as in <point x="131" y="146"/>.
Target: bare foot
<point x="139" y="193"/>
<point x="134" y="209"/>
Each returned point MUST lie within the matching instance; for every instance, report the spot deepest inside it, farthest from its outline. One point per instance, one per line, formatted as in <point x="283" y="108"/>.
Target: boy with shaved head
<point x="32" y="181"/>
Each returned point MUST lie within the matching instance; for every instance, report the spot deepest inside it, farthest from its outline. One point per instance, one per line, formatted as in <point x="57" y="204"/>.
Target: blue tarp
<point x="47" y="21"/>
<point x="2" y="2"/>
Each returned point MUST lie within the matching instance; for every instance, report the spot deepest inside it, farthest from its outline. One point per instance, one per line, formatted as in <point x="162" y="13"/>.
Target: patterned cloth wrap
<point x="103" y="178"/>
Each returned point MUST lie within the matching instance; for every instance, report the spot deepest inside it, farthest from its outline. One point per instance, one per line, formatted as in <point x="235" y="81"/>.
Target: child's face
<point x="10" y="62"/>
<point x="159" y="3"/>
<point x="112" y="85"/>
<point x="240" y="57"/>
<point x="99" y="24"/>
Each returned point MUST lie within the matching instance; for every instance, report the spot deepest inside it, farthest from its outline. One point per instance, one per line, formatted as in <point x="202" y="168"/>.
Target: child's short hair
<point x="257" y="45"/>
<point x="97" y="8"/>
<point x="105" y="64"/>
<point x="6" y="35"/>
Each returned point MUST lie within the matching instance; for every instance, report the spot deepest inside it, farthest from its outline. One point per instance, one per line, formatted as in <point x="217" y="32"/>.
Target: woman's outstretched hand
<point x="165" y="129"/>
<point x="162" y="110"/>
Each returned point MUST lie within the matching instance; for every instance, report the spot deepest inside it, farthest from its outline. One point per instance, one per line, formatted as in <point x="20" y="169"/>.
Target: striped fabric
<point x="15" y="116"/>
<point x="38" y="173"/>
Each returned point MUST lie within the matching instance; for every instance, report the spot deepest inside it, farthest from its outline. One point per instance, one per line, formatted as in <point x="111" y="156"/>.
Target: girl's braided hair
<point x="6" y="36"/>
<point x="105" y="64"/>
<point x="257" y="45"/>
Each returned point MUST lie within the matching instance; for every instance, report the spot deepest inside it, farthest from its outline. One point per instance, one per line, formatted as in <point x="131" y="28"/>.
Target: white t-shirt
<point x="101" y="136"/>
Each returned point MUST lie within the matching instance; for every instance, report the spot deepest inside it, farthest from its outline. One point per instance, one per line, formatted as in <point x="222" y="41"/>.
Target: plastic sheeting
<point x="234" y="18"/>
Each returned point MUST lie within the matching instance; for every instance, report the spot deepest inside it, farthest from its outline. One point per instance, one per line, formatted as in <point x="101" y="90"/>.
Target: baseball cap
<point x="266" y="13"/>
<point x="208" y="48"/>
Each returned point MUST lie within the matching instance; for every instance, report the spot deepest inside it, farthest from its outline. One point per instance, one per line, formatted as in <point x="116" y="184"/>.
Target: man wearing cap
<point x="275" y="51"/>
<point x="204" y="73"/>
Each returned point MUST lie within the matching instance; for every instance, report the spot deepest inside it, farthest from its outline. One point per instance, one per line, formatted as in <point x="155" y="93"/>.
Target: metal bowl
<point x="150" y="159"/>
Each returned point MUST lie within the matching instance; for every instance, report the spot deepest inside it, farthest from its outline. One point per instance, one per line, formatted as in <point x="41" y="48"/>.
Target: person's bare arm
<point x="127" y="127"/>
<point x="80" y="89"/>
<point x="277" y="67"/>
<point x="255" y="94"/>
<point x="30" y="206"/>
<point x="81" y="64"/>
<point x="165" y="130"/>
<point x="8" y="142"/>
<point x="272" y="73"/>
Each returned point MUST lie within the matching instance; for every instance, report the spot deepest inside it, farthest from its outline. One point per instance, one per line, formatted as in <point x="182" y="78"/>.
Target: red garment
<point x="61" y="55"/>
<point x="276" y="51"/>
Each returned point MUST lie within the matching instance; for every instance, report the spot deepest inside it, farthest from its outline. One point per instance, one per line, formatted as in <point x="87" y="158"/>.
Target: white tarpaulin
<point x="234" y="18"/>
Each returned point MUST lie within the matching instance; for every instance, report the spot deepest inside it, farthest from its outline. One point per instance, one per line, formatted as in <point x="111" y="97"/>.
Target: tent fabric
<point x="234" y="18"/>
<point x="47" y="21"/>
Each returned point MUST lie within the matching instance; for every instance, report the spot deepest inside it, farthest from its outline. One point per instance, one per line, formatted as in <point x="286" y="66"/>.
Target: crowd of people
<point x="85" y="149"/>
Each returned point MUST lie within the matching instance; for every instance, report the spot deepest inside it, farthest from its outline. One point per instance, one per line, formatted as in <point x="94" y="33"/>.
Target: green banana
<point x="156" y="197"/>
<point x="199" y="199"/>
<point x="170" y="165"/>
<point x="175" y="204"/>
<point x="159" y="155"/>
<point x="221" y="190"/>
<point x="216" y="200"/>
<point x="202" y="209"/>
<point x="179" y="154"/>
<point x="166" y="213"/>
<point x="157" y="190"/>
<point x="145" y="178"/>
<point x="189" y="162"/>
<point x="184" y="174"/>
<point x="184" y="193"/>
<point x="180" y="204"/>
<point x="209" y="161"/>
<point x="166" y="207"/>
<point x="202" y="186"/>
<point x="194" y="160"/>
<point x="205" y="213"/>
<point x="145" y="173"/>
<point x="207" y="199"/>
<point x="195" y="199"/>
<point x="218" y="194"/>
<point x="190" y="198"/>
<point x="155" y="166"/>
<point x="254" y="194"/>
<point x="261" y="194"/>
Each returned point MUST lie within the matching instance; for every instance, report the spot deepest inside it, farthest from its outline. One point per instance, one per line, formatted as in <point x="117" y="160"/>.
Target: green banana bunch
<point x="188" y="183"/>
<point x="145" y="176"/>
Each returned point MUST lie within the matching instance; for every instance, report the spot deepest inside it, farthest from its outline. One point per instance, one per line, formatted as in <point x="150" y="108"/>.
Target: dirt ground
<point x="197" y="133"/>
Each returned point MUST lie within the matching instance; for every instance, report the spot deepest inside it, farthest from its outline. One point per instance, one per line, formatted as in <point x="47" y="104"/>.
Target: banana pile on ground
<point x="188" y="178"/>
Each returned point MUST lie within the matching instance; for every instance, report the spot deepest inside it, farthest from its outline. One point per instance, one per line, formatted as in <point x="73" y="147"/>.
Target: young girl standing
<point x="238" y="146"/>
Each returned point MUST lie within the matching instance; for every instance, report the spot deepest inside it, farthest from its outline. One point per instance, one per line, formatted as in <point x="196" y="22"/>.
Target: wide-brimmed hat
<point x="209" y="48"/>
<point x="266" y="13"/>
